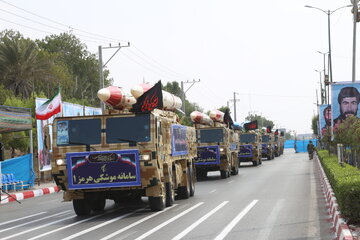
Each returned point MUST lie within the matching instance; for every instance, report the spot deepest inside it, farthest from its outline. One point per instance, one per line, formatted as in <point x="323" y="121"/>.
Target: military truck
<point x="267" y="146"/>
<point x="123" y="156"/>
<point x="250" y="148"/>
<point x="217" y="149"/>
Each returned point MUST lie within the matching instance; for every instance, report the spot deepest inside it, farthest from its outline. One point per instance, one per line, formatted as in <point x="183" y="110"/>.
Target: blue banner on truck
<point x="103" y="169"/>
<point x="245" y="151"/>
<point x="208" y="155"/>
<point x="178" y="140"/>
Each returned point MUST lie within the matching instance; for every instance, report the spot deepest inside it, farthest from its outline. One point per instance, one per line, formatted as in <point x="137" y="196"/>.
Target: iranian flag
<point x="50" y="107"/>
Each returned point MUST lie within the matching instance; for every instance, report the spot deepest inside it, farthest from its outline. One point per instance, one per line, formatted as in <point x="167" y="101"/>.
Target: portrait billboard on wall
<point x="345" y="102"/>
<point x="324" y="118"/>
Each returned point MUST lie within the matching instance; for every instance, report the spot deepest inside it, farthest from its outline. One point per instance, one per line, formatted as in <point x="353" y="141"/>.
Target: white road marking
<point x="232" y="224"/>
<point x="270" y="220"/>
<point x="102" y="224"/>
<point x="195" y="224"/>
<point x="135" y="223"/>
<point x="168" y="221"/>
<point x="37" y="220"/>
<point x="230" y="181"/>
<point x="36" y="228"/>
<point x="212" y="191"/>
<point x="18" y="219"/>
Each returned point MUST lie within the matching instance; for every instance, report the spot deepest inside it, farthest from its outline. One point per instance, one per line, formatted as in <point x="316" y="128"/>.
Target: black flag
<point x="150" y="100"/>
<point x="268" y="129"/>
<point x="251" y="125"/>
<point x="276" y="132"/>
<point x="227" y="118"/>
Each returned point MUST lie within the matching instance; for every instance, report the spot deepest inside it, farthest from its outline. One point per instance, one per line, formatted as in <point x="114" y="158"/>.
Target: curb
<point x="28" y="194"/>
<point x="341" y="228"/>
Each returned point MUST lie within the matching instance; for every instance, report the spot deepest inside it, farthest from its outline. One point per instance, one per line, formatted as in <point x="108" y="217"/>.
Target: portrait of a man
<point x="346" y="101"/>
<point x="325" y="118"/>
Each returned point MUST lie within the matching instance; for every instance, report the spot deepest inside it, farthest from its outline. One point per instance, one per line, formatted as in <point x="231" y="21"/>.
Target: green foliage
<point x="262" y="121"/>
<point x="345" y="182"/>
<point x="314" y="124"/>
<point x="174" y="88"/>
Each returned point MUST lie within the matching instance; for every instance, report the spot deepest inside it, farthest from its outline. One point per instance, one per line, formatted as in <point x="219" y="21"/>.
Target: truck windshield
<point x="265" y="138"/>
<point x="247" y="138"/>
<point x="128" y="129"/>
<point x="78" y="132"/>
<point x="211" y="135"/>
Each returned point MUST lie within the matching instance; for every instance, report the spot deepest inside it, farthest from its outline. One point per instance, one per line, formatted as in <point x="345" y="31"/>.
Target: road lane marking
<point x="232" y="224"/>
<point x="135" y="223"/>
<point x="195" y="224"/>
<point x="70" y="225"/>
<point x="18" y="219"/>
<point x="270" y="220"/>
<point x="212" y="191"/>
<point x="168" y="221"/>
<point x="102" y="224"/>
<point x="36" y="228"/>
<point x="230" y="181"/>
<point x="37" y="220"/>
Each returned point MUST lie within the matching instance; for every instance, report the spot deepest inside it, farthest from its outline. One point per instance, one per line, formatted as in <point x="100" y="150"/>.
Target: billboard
<point x="14" y="119"/>
<point x="44" y="129"/>
<point x="324" y="119"/>
<point x="345" y="102"/>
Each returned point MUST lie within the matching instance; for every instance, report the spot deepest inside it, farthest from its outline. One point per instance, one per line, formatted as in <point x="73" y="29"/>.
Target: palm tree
<point x="20" y="65"/>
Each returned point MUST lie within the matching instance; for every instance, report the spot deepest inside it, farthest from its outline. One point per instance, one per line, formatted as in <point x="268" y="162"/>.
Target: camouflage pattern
<point x="161" y="168"/>
<point x="228" y="149"/>
<point x="250" y="151"/>
<point x="268" y="148"/>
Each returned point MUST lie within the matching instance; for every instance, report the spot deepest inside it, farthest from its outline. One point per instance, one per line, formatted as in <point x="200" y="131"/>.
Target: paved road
<point x="281" y="199"/>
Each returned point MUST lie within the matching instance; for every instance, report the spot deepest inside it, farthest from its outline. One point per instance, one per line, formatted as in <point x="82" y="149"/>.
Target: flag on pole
<point x="50" y="107"/>
<point x="150" y="100"/>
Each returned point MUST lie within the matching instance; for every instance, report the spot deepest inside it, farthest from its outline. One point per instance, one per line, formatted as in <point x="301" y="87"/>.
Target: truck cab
<point x="250" y="148"/>
<point x="267" y="147"/>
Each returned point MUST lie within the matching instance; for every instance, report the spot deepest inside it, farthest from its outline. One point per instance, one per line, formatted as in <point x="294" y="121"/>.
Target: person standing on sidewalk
<point x="310" y="150"/>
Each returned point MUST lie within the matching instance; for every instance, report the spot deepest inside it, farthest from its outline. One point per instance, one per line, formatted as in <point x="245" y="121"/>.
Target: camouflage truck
<point x="217" y="150"/>
<point x="267" y="146"/>
<point x="123" y="156"/>
<point x="250" y="148"/>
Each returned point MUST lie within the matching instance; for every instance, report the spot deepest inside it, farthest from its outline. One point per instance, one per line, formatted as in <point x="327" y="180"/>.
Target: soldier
<point x="310" y="150"/>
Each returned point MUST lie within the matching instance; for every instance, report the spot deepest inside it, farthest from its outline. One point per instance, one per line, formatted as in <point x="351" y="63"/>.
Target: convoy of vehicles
<point x="123" y="155"/>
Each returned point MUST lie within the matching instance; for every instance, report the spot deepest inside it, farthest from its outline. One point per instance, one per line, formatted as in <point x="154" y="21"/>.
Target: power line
<point x="64" y="25"/>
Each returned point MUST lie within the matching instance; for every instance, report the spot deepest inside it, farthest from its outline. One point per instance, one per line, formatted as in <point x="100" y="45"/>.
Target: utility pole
<point x="235" y="100"/>
<point x="355" y="12"/>
<point x="101" y="67"/>
<point x="184" y="92"/>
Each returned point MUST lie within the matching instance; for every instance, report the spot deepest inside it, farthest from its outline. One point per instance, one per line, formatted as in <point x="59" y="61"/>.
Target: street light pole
<point x="355" y="11"/>
<point x="328" y="13"/>
<point x="321" y="89"/>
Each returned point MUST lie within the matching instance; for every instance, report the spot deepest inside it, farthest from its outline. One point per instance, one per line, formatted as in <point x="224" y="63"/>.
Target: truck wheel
<point x="81" y="207"/>
<point x="201" y="173"/>
<point x="170" y="194"/>
<point x="192" y="181"/>
<point x="184" y="191"/>
<point x="260" y="161"/>
<point x="157" y="203"/>
<point x="255" y="163"/>
<point x="269" y="157"/>
<point x="224" y="174"/>
<point x="98" y="204"/>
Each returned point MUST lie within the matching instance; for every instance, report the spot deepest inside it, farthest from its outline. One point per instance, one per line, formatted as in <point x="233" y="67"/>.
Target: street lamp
<point x="328" y="13"/>
<point x="326" y="80"/>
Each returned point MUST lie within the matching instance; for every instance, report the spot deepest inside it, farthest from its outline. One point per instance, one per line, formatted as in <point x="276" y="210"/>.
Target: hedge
<point x="345" y="181"/>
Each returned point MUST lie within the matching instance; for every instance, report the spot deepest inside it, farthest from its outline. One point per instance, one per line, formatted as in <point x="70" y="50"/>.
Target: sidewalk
<point x="35" y="191"/>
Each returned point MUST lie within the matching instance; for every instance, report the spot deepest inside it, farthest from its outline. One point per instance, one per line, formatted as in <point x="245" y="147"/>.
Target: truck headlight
<point x="60" y="162"/>
<point x="222" y="149"/>
<point x="145" y="157"/>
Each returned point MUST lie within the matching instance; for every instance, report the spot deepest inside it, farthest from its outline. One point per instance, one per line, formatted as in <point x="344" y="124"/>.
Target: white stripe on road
<point x="230" y="181"/>
<point x="36" y="228"/>
<point x="18" y="219"/>
<point x="135" y="223"/>
<point x="101" y="225"/>
<point x="232" y="224"/>
<point x="168" y="221"/>
<point x="195" y="224"/>
<point x="30" y="222"/>
<point x="212" y="191"/>
<point x="270" y="220"/>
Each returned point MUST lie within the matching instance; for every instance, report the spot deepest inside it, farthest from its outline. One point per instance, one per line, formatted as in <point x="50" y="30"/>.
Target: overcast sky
<point x="265" y="51"/>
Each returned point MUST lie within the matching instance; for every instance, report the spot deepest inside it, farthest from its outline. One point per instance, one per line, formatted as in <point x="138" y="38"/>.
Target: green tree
<point x="314" y="124"/>
<point x="20" y="64"/>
